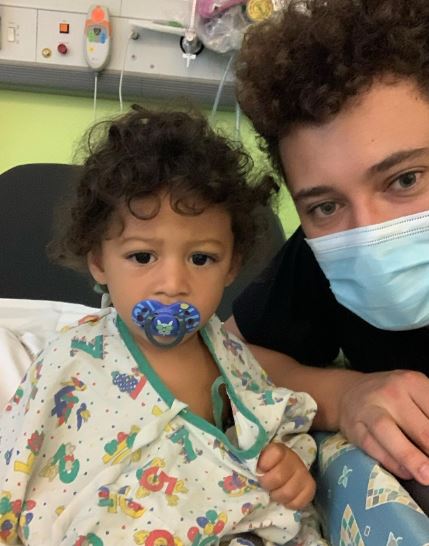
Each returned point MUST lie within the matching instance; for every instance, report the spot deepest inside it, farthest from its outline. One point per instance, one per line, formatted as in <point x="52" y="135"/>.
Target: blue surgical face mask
<point x="380" y="272"/>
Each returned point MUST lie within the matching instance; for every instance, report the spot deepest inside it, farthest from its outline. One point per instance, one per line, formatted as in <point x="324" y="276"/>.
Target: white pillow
<point x="25" y="326"/>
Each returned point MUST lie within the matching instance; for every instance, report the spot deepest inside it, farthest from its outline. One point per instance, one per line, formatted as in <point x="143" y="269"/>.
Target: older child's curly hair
<point x="304" y="64"/>
<point x="145" y="153"/>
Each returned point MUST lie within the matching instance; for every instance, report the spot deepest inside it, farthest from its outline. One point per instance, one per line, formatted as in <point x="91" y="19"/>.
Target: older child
<point x="145" y="423"/>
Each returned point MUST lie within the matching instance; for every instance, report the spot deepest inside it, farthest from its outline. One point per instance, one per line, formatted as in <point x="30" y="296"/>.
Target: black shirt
<point x="290" y="308"/>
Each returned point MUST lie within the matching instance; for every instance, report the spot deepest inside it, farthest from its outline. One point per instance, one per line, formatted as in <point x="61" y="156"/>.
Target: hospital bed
<point x="360" y="503"/>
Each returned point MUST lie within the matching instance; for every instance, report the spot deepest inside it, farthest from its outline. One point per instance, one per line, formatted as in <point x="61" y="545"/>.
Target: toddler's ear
<point x="234" y="270"/>
<point x="94" y="260"/>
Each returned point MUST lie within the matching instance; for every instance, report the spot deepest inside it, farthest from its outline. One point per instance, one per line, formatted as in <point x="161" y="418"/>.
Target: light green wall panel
<point x="39" y="128"/>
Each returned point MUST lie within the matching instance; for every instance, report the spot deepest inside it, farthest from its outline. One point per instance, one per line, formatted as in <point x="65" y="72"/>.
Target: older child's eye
<point x="406" y="180"/>
<point x="326" y="209"/>
<point x="201" y="259"/>
<point x="141" y="257"/>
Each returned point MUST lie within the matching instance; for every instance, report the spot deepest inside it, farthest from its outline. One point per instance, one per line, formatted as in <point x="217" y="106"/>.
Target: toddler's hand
<point x="285" y="477"/>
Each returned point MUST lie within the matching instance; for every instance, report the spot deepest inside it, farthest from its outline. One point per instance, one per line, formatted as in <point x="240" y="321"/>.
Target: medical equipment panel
<point x="17" y="34"/>
<point x="42" y="46"/>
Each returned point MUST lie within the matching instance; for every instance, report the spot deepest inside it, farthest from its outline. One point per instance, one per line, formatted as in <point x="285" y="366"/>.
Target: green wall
<point x="38" y="128"/>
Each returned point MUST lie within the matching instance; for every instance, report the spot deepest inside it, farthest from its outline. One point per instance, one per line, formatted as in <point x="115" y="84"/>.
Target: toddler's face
<point x="170" y="257"/>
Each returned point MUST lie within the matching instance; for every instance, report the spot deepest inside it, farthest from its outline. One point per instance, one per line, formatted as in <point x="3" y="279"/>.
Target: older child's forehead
<point x="363" y="135"/>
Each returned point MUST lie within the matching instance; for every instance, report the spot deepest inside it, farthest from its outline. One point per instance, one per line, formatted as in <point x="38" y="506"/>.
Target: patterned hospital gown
<point x="96" y="451"/>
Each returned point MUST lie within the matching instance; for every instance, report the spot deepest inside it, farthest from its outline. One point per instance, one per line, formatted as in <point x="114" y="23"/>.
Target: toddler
<point x="148" y="423"/>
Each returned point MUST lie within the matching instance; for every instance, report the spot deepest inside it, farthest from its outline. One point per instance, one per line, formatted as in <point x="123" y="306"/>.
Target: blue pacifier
<point x="158" y="321"/>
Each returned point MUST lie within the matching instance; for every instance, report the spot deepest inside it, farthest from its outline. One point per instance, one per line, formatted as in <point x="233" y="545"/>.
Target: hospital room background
<point x="65" y="64"/>
<point x="49" y="95"/>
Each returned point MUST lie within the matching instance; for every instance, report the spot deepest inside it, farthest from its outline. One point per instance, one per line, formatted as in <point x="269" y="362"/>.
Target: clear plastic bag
<point x="224" y="32"/>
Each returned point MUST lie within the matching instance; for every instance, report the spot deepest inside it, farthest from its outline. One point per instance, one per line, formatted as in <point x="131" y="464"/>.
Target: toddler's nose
<point x="173" y="279"/>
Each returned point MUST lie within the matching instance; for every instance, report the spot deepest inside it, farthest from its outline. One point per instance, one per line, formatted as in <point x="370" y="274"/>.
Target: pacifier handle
<point x="172" y="321"/>
<point x="178" y="337"/>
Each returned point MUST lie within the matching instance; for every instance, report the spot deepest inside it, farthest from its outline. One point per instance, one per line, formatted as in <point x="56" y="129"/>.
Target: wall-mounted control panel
<point x="55" y="35"/>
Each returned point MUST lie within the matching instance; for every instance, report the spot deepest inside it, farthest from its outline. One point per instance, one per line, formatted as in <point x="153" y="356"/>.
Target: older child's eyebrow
<point x="384" y="165"/>
<point x="394" y="159"/>
<point x="315" y="191"/>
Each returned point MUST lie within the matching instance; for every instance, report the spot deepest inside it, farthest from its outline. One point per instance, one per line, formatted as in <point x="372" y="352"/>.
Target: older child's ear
<point x="95" y="266"/>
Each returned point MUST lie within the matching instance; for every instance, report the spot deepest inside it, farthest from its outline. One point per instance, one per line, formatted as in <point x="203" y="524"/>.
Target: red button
<point x="62" y="49"/>
<point x="98" y="14"/>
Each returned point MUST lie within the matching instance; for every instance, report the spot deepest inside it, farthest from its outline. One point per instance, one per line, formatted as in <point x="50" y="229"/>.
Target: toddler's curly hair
<point x="147" y="153"/>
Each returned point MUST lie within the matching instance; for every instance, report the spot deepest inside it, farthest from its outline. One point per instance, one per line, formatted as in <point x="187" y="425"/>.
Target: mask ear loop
<point x="179" y="336"/>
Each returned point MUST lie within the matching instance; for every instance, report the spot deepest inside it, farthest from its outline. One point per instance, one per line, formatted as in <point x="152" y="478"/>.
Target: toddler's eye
<point x="141" y="257"/>
<point x="201" y="259"/>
